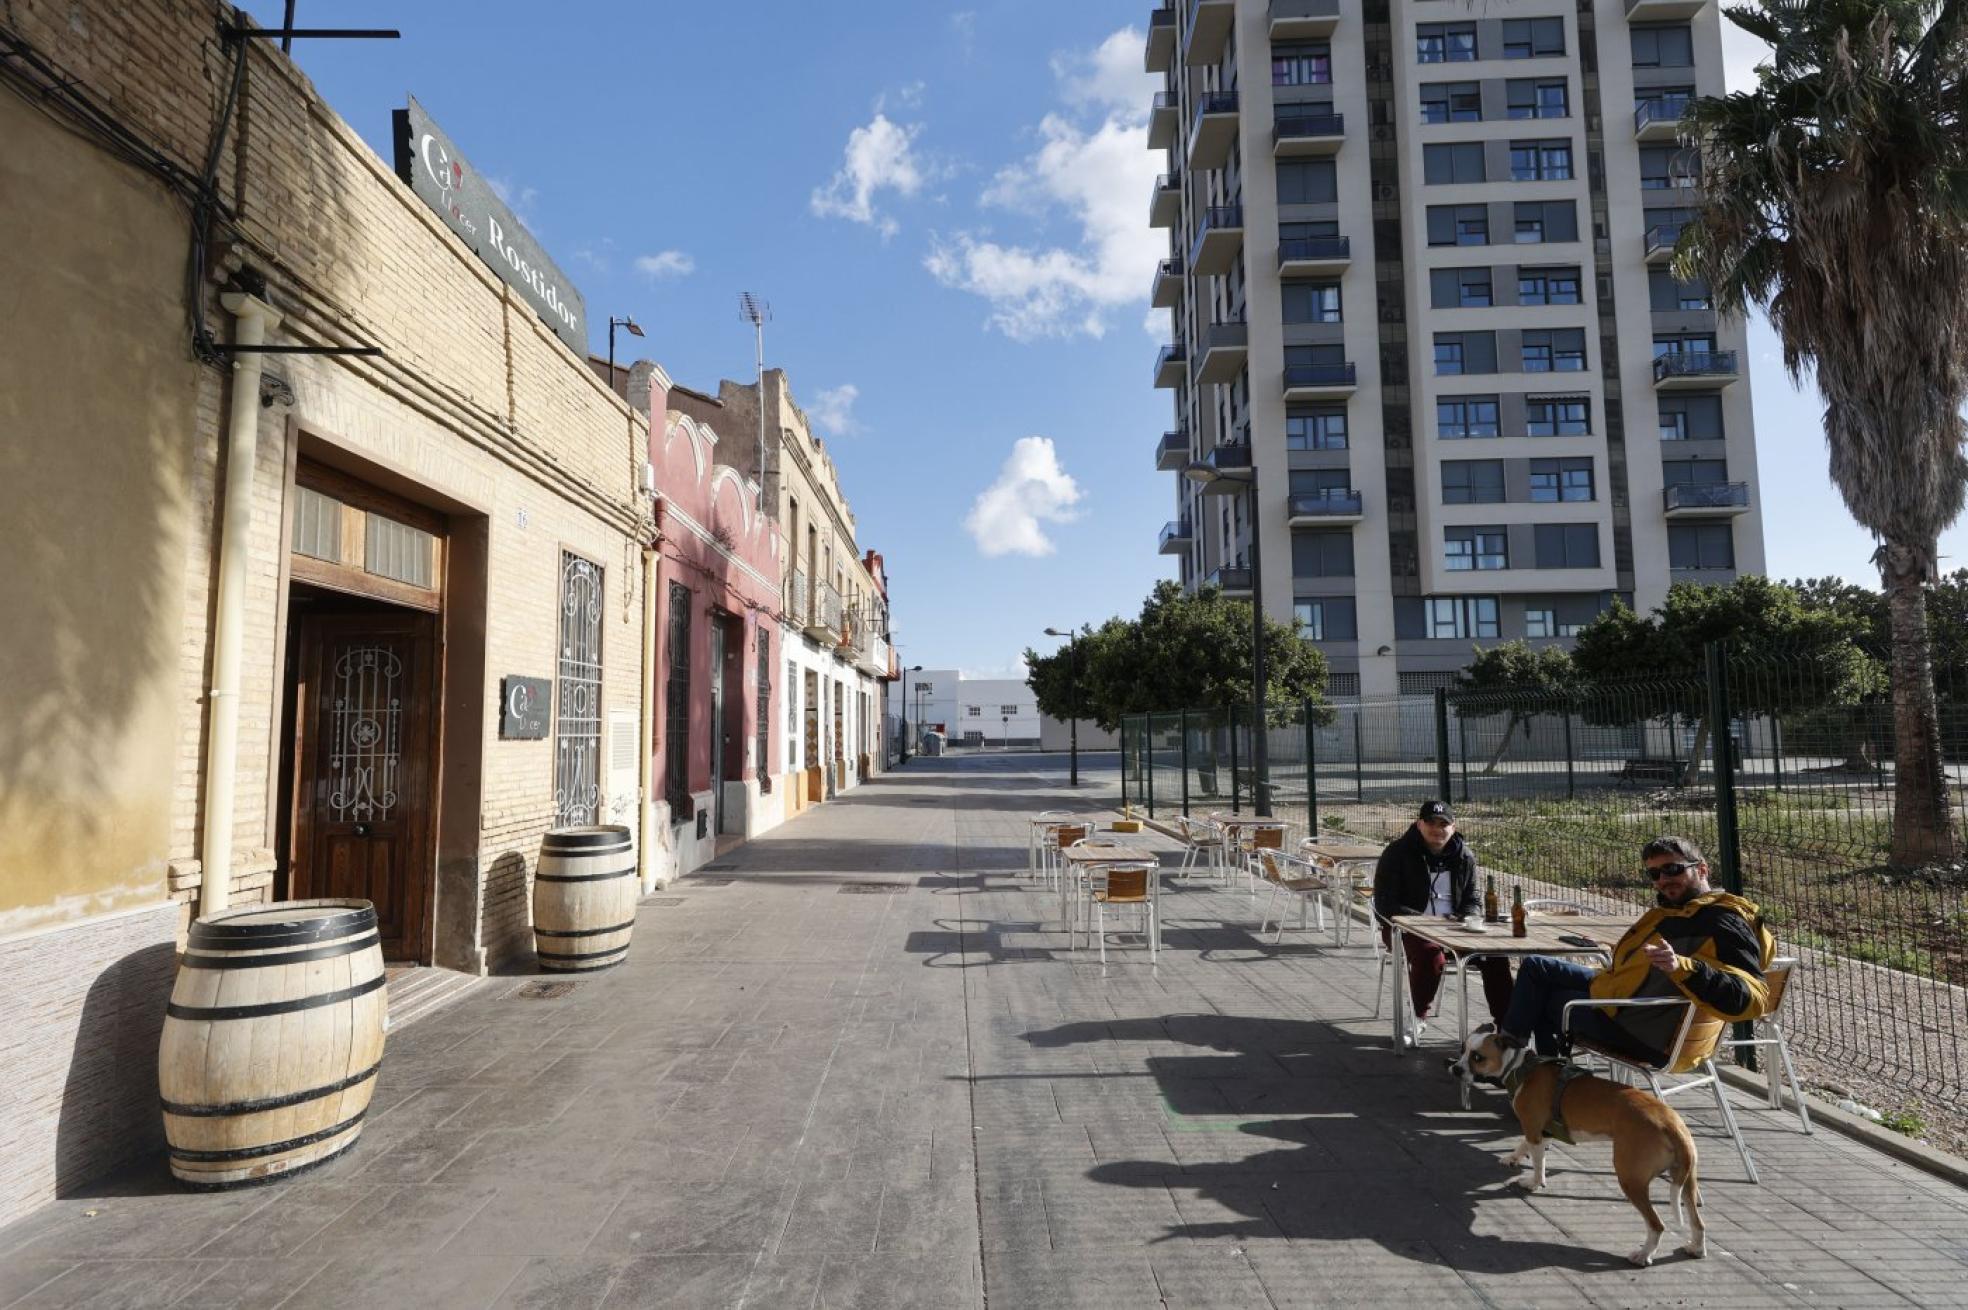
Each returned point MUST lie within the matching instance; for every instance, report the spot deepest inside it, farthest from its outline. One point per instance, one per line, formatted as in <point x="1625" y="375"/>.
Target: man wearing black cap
<point x="1429" y="869"/>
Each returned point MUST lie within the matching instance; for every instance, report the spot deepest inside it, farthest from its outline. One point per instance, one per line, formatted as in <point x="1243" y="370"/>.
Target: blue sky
<point x="946" y="205"/>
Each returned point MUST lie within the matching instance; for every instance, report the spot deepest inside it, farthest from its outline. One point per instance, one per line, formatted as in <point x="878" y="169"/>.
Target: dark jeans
<point x="1537" y="1008"/>
<point x="1426" y="963"/>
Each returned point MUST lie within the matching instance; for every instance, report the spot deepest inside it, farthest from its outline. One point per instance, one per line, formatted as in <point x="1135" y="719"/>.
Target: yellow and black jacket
<point x="1721" y="949"/>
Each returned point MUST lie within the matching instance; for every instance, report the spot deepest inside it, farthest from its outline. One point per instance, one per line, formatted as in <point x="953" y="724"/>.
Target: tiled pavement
<point x="796" y="1095"/>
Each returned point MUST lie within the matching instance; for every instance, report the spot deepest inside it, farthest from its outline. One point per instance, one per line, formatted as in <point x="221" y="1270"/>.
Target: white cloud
<point x="665" y="263"/>
<point x="1110" y="75"/>
<point x="597" y="255"/>
<point x="879" y="157"/>
<point x="517" y="197"/>
<point x="832" y="410"/>
<point x="1008" y="517"/>
<point x="1096" y="176"/>
<point x="964" y="24"/>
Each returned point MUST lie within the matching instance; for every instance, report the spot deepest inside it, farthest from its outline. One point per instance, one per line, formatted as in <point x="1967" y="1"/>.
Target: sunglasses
<point x="1655" y="872"/>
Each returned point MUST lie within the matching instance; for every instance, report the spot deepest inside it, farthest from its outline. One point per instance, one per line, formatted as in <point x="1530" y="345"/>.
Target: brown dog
<point x="1648" y="1136"/>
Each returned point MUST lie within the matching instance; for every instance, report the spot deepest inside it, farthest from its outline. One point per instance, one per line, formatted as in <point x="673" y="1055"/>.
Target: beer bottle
<point x="1517" y="925"/>
<point x="1490" y="912"/>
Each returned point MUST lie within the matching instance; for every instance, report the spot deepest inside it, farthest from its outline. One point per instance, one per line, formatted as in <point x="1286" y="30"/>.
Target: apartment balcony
<point x="1219" y="239"/>
<point x="1304" y="256"/>
<point x="871" y="653"/>
<point x="796" y="599"/>
<point x="1705" y="500"/>
<point x="1308" y="134"/>
<point x="1319" y="381"/>
<point x="1166" y="290"/>
<point x="1171" y="366"/>
<point x="1213" y="132"/>
<point x="1318" y="509"/>
<point x="1660" y="242"/>
<point x="1164" y="121"/>
<point x="1165" y="205"/>
<point x="1171" y="451"/>
<point x="1177" y="536"/>
<point x="1209" y="30"/>
<point x="1694" y="369"/>
<point x="1299" y="20"/>
<point x="1659" y="119"/>
<point x="1226" y="347"/>
<point x="1161" y="40"/>
<point x="1234" y="581"/>
<point x="823" y="618"/>
<point x="1656" y="11"/>
<point x="1232" y="457"/>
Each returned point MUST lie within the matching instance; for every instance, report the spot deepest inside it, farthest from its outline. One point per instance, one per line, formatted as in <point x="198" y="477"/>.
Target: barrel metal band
<point x="253" y="935"/>
<point x="585" y="877"/>
<point x="349" y="947"/>
<point x="271" y="1148"/>
<point x="606" y="839"/>
<point x="268" y="1102"/>
<point x="584" y="932"/>
<point x="589" y="955"/>
<point x="176" y="1011"/>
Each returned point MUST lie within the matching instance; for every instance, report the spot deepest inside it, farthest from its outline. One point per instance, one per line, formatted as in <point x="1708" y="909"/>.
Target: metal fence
<point x="1560" y="791"/>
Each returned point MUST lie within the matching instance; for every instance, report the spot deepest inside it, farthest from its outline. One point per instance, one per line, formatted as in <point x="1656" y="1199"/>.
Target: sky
<point x="945" y="205"/>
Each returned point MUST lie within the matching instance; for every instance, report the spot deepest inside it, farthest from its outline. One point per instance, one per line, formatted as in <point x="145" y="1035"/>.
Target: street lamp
<point x="905" y="713"/>
<point x="634" y="330"/>
<point x="922" y="688"/>
<point x="1223" y="480"/>
<point x="1073" y="693"/>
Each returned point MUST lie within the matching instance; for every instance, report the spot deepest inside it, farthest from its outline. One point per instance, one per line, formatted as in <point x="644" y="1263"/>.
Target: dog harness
<point x="1513" y="1082"/>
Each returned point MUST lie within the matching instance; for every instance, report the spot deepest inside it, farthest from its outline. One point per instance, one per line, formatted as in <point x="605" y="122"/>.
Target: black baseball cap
<point x="1436" y="810"/>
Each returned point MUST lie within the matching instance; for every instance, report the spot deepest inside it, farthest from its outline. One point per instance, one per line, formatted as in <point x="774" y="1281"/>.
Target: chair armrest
<point x="1639" y="1002"/>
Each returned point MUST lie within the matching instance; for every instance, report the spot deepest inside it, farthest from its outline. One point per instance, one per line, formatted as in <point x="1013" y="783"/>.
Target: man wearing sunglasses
<point x="1430" y="870"/>
<point x="1706" y="945"/>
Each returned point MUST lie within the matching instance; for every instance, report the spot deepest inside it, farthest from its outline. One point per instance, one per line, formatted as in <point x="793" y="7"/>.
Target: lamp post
<point x="1073" y="694"/>
<point x="1222" y="479"/>
<point x="921" y="687"/>
<point x="634" y="330"/>
<point x="905" y="712"/>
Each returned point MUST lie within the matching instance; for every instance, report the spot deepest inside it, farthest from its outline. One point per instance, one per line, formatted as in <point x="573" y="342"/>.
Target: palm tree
<point x="1836" y="195"/>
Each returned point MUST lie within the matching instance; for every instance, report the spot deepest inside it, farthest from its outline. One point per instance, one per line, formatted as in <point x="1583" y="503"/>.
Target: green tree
<point x="1515" y="678"/>
<point x="1183" y="652"/>
<point x="1835" y="194"/>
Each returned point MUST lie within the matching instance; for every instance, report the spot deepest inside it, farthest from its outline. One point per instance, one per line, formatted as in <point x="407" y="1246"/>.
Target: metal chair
<point x="1124" y="885"/>
<point x="1777" y="979"/>
<point x="1058" y="838"/>
<point x="1253" y="839"/>
<point x="1292" y="875"/>
<point x="1033" y="834"/>
<point x="1200" y="837"/>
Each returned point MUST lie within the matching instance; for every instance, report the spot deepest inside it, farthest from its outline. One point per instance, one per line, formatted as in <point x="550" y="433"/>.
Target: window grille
<point x="676" y="704"/>
<point x="577" y="700"/>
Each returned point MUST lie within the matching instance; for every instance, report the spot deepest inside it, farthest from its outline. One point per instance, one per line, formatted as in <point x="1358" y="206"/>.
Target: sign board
<point x="438" y="173"/>
<point x="525" y="704"/>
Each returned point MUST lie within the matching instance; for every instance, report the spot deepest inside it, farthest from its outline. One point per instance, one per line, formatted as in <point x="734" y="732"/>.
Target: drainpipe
<point x="646" y="767"/>
<point x="255" y="318"/>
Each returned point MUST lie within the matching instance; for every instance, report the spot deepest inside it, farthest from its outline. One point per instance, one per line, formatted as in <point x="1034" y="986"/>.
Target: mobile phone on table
<point x="1573" y="939"/>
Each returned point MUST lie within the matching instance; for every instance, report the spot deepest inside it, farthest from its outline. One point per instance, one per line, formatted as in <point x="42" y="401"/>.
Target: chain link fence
<point x="1792" y="798"/>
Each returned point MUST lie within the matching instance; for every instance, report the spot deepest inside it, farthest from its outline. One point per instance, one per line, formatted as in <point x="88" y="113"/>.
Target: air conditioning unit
<point x="624" y="773"/>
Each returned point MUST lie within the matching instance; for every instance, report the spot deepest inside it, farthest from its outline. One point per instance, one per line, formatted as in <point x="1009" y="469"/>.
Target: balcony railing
<point x="1660" y="110"/>
<point x="1694" y="364"/>
<point x="1213" y="131"/>
<point x="1705" y="495"/>
<point x="796" y="599"/>
<point x="1320" y="249"/>
<point x="1171" y="451"/>
<point x="1160" y="52"/>
<point x="1292" y="19"/>
<point x="1173" y="532"/>
<point x="1217" y="223"/>
<point x="1319" y="375"/>
<point x="826" y="611"/>
<point x="1167" y="361"/>
<point x="1326" y="504"/>
<point x="1662" y="238"/>
<point x="1230" y="578"/>
<point x="1230" y="455"/>
<point x="1304" y="127"/>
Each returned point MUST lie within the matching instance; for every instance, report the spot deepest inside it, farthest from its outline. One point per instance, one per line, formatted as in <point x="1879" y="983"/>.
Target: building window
<point x="1555" y="480"/>
<point x="1327" y="618"/>
<point x="1691" y="343"/>
<point x="1458" y="225"/>
<point x="1451" y="102"/>
<point x="1669" y="168"/>
<point x="1548" y="286"/>
<point x="1695" y="416"/>
<point x="1445" y="43"/>
<point x="1451" y="162"/>
<point x="1536" y="97"/>
<point x="577" y="698"/>
<point x="1554" y="350"/>
<point x="792" y="715"/>
<point x="1540" y="622"/>
<point x="1459" y="417"/>
<point x="1315" y="429"/>
<point x="1461" y="617"/>
<point x="1311" y="302"/>
<point x="1545" y="220"/>
<point x="1008" y="711"/>
<point x="1301" y="65"/>
<point x="1533" y="38"/>
<point x="1666" y="296"/>
<point x="1459" y="288"/>
<point x="1308" y="182"/>
<point x="1568" y="417"/>
<point x="676" y="705"/>
<point x="1472" y="482"/>
<point x="1322" y="554"/>
<point x="1465" y="352"/>
<point x="973" y="711"/>
<point x="1567" y="545"/>
<point x="1541" y="161"/>
<point x="764" y="720"/>
<point x="1663" y="47"/>
<point x="1481" y="549"/>
<point x="1694" y="472"/>
<point x="1700" y="546"/>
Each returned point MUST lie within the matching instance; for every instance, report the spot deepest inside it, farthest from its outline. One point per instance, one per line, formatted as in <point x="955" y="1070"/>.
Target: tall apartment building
<point x="1418" y="273"/>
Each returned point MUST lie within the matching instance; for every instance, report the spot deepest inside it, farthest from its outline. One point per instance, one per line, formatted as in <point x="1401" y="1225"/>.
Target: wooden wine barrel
<point x="272" y="1041"/>
<point x="584" y="898"/>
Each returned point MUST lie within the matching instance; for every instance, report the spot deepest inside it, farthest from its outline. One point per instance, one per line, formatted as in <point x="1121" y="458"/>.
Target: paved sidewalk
<point x="797" y="1092"/>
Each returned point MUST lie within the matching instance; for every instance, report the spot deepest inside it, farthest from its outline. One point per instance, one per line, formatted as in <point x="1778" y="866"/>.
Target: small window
<point x="1466" y="417"/>
<point x="397" y="551"/>
<point x="1533" y="38"/>
<point x="1308" y="182"/>
<point x="1451" y="102"/>
<point x="1536" y="97"/>
<point x="1307" y="64"/>
<point x="1322" y="554"/>
<point x="1569" y="417"/>
<point x="1451" y="162"/>
<point x="1472" y="482"/>
<point x="1459" y="288"/>
<point x="1467" y="549"/>
<point x="1554" y="350"/>
<point x="1541" y="161"/>
<point x="317" y="529"/>
<point x="1465" y="352"/>
<point x="1692" y="416"/>
<point x="1560" y="480"/>
<point x="1548" y="286"/>
<point x="1540" y="622"/>
<point x="1008" y="710"/>
<point x="1328" y="618"/>
<point x="1701" y="546"/>
<point x="1445" y="43"/>
<point x="1545" y="220"/>
<point x="1315" y="429"/>
<point x="1567" y="545"/>
<point x="973" y="711"/>
<point x="1461" y="617"/>
<point x="1311" y="302"/>
<point x="1458" y="225"/>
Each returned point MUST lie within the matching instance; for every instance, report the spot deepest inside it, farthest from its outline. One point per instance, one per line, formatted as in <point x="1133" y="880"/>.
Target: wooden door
<point x="364" y="747"/>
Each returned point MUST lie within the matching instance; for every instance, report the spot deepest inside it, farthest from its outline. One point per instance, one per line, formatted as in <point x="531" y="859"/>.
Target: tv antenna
<point x="754" y="310"/>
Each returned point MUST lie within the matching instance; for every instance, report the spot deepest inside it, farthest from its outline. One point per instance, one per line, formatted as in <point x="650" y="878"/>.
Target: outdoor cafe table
<point x="1542" y="933"/>
<point x="1078" y="858"/>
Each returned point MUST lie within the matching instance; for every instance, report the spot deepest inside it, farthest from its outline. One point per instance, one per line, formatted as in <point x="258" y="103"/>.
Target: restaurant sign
<point x="438" y="173"/>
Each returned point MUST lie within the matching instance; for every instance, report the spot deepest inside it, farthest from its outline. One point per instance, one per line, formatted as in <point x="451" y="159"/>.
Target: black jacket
<point x="1401" y="879"/>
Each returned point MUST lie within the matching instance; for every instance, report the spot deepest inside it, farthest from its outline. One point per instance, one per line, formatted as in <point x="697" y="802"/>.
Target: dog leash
<point x="1513" y="1082"/>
